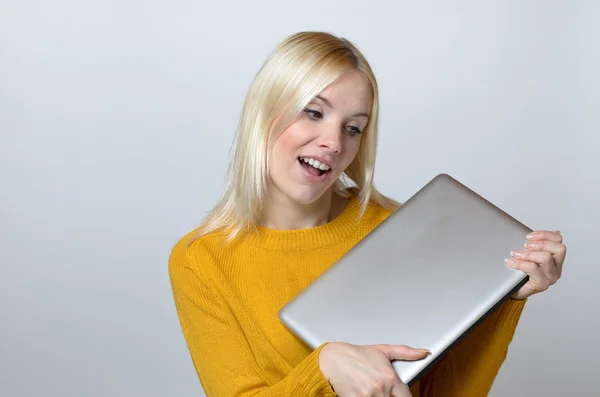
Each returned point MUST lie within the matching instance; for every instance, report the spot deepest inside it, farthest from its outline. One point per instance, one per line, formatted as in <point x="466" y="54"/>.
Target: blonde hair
<point x="294" y="73"/>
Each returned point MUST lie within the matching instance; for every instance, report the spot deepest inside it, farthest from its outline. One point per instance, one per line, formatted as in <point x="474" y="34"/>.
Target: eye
<point x="313" y="114"/>
<point x="353" y="130"/>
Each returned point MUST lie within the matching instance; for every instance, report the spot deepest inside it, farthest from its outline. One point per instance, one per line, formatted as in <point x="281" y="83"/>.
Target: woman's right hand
<point x="366" y="371"/>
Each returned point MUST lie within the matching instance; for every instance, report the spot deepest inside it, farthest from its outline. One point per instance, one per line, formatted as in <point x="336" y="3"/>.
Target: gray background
<point x="115" y="124"/>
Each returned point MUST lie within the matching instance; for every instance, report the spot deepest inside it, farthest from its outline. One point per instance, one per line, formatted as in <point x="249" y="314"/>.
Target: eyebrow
<point x="326" y="101"/>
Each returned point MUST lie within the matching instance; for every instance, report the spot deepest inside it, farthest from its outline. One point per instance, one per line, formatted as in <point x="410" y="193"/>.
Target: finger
<point x="545" y="235"/>
<point x="537" y="282"/>
<point x="403" y="352"/>
<point x="400" y="390"/>
<point x="543" y="258"/>
<point x="558" y="251"/>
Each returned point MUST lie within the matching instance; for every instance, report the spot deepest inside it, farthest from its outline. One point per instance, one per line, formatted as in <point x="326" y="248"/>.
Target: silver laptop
<point x="425" y="277"/>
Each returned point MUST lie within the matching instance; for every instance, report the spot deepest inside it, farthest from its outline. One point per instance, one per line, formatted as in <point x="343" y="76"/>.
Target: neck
<point x="284" y="214"/>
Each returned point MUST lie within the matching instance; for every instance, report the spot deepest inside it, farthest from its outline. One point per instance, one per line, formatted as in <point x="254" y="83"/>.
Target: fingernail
<point x="510" y="261"/>
<point x="516" y="253"/>
<point x="531" y="235"/>
<point x="558" y="231"/>
<point x="424" y="351"/>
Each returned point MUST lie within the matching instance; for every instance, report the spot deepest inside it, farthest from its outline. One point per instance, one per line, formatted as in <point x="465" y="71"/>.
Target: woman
<point x="299" y="195"/>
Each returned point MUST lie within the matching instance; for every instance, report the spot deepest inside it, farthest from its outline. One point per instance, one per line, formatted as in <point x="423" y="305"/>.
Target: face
<point x="310" y="155"/>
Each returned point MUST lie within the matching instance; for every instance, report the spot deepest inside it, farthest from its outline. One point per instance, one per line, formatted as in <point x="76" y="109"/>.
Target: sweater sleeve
<point x="221" y="355"/>
<point x="471" y="367"/>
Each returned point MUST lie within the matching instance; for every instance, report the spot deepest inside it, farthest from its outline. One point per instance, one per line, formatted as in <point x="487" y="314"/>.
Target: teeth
<point x="315" y="163"/>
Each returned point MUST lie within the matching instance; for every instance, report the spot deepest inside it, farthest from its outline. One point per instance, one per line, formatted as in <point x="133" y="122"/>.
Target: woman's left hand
<point x="542" y="260"/>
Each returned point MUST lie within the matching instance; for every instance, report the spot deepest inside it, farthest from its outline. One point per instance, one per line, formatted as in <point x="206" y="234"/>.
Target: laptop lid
<point x="424" y="277"/>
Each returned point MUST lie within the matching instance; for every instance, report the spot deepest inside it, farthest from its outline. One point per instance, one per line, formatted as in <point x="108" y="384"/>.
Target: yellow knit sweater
<point x="228" y="296"/>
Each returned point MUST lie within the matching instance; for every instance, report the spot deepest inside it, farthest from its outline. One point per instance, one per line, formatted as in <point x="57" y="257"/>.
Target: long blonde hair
<point x="297" y="70"/>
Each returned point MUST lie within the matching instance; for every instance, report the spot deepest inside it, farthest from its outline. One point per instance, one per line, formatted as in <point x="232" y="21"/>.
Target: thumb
<point x="402" y="352"/>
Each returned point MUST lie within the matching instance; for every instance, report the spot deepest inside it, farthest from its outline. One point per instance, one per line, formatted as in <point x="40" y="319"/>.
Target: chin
<point x="306" y="196"/>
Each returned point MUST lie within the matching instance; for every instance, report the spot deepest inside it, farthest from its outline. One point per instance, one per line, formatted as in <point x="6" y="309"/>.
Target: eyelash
<point x="312" y="113"/>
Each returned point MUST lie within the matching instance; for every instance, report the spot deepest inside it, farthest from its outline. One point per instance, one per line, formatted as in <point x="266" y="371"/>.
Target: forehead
<point x="351" y="89"/>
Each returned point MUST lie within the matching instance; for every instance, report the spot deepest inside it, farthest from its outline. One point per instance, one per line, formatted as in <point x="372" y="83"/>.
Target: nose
<point x="331" y="139"/>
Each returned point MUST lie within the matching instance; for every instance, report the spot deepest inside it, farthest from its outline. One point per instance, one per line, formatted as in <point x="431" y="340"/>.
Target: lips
<point x="311" y="173"/>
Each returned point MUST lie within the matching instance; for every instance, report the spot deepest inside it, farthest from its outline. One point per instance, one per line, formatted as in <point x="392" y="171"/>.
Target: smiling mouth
<point x="314" y="167"/>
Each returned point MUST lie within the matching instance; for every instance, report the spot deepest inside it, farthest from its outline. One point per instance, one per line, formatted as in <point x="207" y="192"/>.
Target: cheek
<point x="290" y="142"/>
<point x="351" y="149"/>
